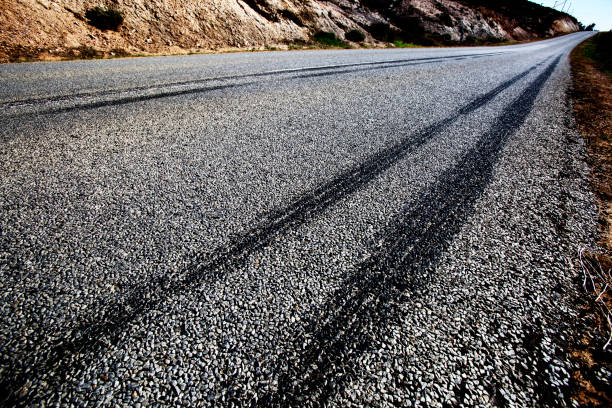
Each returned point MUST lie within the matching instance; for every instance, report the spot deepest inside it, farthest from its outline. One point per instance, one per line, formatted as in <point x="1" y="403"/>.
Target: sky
<point x="586" y="11"/>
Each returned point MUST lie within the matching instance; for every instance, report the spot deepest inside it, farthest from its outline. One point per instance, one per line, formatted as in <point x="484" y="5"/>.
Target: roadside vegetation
<point x="599" y="51"/>
<point x="401" y="44"/>
<point x="354" y="36"/>
<point x="592" y="100"/>
<point x="592" y="94"/>
<point x="328" y="39"/>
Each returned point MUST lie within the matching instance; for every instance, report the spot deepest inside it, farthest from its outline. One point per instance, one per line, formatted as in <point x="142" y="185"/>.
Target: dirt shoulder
<point x="592" y="95"/>
<point x="592" y="101"/>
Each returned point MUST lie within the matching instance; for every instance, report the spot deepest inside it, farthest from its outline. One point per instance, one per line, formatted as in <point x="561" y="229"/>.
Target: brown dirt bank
<point x="54" y="29"/>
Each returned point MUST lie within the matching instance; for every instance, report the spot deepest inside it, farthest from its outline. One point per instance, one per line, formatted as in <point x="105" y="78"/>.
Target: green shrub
<point x="354" y="35"/>
<point x="104" y="19"/>
<point x="401" y="44"/>
<point x="329" y="39"/>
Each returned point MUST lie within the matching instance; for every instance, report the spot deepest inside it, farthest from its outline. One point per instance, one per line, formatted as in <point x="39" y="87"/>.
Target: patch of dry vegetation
<point x="592" y="97"/>
<point x="21" y="53"/>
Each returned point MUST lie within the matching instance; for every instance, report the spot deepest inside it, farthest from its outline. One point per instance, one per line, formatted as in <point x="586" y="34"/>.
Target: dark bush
<point x="324" y="36"/>
<point x="471" y="40"/>
<point x="104" y="19"/>
<point x="381" y="31"/>
<point x="600" y="50"/>
<point x="446" y="38"/>
<point x="354" y="35"/>
<point x="85" y="52"/>
<point x="329" y="39"/>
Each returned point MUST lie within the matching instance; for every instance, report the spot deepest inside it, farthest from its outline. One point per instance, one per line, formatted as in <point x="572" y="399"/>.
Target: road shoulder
<point x="592" y="104"/>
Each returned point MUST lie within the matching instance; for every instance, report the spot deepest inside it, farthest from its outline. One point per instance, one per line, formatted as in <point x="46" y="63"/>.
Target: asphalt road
<point x="341" y="228"/>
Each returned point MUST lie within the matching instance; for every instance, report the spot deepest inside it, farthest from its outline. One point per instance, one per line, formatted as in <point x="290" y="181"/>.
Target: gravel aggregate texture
<point x="319" y="228"/>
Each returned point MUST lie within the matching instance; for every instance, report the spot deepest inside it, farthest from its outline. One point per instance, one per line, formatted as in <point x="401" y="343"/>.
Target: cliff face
<point x="46" y="28"/>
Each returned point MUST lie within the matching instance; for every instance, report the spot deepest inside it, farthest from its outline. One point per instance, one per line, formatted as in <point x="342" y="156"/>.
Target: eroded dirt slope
<point x="35" y="29"/>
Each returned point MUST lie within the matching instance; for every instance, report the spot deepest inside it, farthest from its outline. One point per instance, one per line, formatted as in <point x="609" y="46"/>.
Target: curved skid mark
<point x="399" y="269"/>
<point x="103" y="324"/>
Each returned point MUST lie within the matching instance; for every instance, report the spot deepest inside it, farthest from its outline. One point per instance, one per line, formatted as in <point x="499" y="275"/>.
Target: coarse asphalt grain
<point x="338" y="228"/>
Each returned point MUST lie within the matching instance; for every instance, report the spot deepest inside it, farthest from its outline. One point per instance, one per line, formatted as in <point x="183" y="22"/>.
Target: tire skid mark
<point x="124" y="100"/>
<point x="103" y="324"/>
<point x="347" y="71"/>
<point x="398" y="270"/>
<point x="168" y="94"/>
<point x="59" y="98"/>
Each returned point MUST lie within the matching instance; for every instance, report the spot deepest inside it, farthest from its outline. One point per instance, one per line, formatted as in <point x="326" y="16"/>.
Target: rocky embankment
<point x="47" y="29"/>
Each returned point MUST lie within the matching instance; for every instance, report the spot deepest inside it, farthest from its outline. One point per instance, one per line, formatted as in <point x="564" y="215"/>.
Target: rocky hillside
<point x="43" y="29"/>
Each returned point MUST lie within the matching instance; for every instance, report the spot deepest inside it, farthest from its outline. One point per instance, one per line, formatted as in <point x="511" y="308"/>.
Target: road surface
<point x="341" y="228"/>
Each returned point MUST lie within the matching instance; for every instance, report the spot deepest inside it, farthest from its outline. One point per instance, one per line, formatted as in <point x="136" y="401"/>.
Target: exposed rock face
<point x="43" y="28"/>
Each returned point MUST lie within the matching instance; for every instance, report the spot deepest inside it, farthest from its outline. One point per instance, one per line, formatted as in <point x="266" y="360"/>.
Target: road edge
<point x="591" y="100"/>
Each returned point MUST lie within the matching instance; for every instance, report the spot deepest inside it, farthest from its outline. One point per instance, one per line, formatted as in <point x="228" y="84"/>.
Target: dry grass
<point x="592" y="97"/>
<point x="592" y="352"/>
<point x="18" y="53"/>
